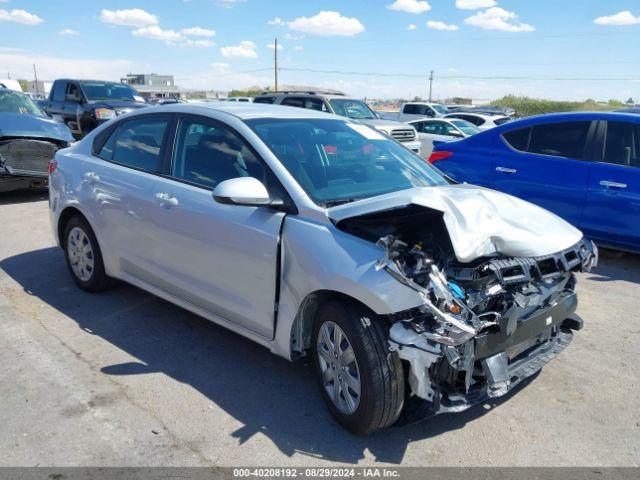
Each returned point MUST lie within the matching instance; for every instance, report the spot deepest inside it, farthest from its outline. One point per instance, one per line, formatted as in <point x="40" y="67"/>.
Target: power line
<point x="459" y="77"/>
<point x="498" y="37"/>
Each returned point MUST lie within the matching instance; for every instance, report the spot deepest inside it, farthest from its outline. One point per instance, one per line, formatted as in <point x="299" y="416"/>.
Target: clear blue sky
<point x="381" y="48"/>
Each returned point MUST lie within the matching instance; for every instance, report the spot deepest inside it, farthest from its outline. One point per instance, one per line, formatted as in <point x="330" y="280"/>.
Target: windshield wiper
<point x="339" y="201"/>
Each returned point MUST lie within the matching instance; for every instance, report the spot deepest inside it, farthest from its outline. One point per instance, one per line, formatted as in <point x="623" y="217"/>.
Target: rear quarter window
<point x="517" y="139"/>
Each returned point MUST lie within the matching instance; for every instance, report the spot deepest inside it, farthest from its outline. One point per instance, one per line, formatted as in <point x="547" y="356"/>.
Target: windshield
<point x="440" y="109"/>
<point x="466" y="127"/>
<point x="338" y="162"/>
<point x="16" y="102"/>
<point x="110" y="91"/>
<point x="356" y="109"/>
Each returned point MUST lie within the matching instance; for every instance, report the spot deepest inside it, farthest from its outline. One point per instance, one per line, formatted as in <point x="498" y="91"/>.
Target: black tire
<point x="98" y="280"/>
<point x="381" y="375"/>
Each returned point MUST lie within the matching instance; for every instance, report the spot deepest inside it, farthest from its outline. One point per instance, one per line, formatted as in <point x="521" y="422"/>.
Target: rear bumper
<point x="9" y="183"/>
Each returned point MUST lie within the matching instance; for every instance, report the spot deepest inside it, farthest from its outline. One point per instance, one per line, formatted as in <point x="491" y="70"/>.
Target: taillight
<point x="435" y="156"/>
<point x="53" y="164"/>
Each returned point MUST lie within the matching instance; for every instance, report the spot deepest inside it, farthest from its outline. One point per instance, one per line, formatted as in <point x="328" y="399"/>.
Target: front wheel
<point x="361" y="381"/>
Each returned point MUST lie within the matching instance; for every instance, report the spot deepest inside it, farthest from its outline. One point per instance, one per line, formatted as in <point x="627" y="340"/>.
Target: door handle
<point x="91" y="178"/>
<point x="608" y="184"/>
<point x="506" y="170"/>
<point x="167" y="200"/>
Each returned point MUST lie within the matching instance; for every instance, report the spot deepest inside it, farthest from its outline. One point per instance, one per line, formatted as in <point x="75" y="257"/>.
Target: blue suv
<point x="584" y="167"/>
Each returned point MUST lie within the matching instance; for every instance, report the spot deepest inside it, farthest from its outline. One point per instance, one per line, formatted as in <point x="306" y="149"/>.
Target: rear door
<point x="118" y="184"/>
<point x="547" y="164"/>
<point x="612" y="209"/>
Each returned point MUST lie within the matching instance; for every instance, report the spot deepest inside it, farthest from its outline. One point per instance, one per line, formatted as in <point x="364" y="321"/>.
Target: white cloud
<point x="474" y="4"/>
<point x="197" y="43"/>
<point x="327" y="23"/>
<point x="411" y="26"/>
<point x="134" y="17"/>
<point x="298" y="48"/>
<point x="50" y="67"/>
<point x="154" y="32"/>
<point x="410" y="6"/>
<point x="271" y="46"/>
<point x="246" y="49"/>
<point x="197" y="32"/>
<point x="68" y="31"/>
<point x="441" y="26"/>
<point x="621" y="18"/>
<point x="276" y="22"/>
<point x="220" y="67"/>
<point x="497" y="18"/>
<point x="289" y="36"/>
<point x="19" y="16"/>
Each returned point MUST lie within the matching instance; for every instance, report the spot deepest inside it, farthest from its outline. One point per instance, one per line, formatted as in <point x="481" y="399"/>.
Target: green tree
<point x="24" y="85"/>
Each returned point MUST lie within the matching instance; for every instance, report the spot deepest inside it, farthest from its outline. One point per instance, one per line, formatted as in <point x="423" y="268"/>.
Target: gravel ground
<point x="125" y="379"/>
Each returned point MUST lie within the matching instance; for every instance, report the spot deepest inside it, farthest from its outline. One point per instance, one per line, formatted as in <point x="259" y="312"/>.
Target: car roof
<point x="569" y="116"/>
<point x="244" y="110"/>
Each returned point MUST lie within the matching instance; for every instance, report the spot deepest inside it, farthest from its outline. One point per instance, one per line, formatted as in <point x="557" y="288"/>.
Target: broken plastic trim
<point x="456" y="328"/>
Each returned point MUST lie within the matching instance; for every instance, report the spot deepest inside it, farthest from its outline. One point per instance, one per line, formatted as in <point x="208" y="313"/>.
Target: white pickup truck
<point x="415" y="110"/>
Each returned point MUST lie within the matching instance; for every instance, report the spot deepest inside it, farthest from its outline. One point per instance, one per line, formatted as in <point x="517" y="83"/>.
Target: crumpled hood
<point x="23" y="125"/>
<point x="480" y="222"/>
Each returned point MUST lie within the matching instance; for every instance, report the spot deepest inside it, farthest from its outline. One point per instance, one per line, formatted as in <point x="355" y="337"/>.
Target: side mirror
<point x="455" y="134"/>
<point x="246" y="191"/>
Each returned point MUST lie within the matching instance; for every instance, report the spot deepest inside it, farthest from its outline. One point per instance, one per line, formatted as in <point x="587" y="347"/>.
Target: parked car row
<point x="339" y="104"/>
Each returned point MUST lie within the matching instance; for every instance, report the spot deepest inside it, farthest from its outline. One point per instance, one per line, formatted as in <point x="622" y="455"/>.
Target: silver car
<point x="318" y="236"/>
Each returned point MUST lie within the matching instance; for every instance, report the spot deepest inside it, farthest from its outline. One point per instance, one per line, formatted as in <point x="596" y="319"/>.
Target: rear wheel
<point x="361" y="381"/>
<point x="83" y="256"/>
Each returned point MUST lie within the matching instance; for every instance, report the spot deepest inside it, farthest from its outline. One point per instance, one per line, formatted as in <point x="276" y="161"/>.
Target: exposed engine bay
<point x="486" y="324"/>
<point x="24" y="162"/>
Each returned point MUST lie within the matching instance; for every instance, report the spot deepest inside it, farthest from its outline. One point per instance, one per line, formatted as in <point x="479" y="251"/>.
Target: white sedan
<point x="481" y="120"/>
<point x="431" y="132"/>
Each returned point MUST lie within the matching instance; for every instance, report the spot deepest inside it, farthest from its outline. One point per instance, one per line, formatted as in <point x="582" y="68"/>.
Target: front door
<point x="221" y="258"/>
<point x="612" y="210"/>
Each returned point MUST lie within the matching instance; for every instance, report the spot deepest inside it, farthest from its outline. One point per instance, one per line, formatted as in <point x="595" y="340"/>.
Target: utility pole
<point x="35" y="74"/>
<point x="430" y="86"/>
<point x="275" y="72"/>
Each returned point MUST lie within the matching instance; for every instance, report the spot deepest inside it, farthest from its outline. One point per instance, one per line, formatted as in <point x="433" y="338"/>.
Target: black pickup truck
<point x="85" y="104"/>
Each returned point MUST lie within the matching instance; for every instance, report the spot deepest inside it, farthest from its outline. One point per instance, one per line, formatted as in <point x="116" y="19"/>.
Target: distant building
<point x="152" y="85"/>
<point x="41" y="87"/>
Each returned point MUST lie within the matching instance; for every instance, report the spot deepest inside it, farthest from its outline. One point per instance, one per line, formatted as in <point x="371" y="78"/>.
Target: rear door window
<point x="138" y="143"/>
<point x="566" y="140"/>
<point x="264" y="99"/>
<point x="622" y="144"/>
<point x="309" y="103"/>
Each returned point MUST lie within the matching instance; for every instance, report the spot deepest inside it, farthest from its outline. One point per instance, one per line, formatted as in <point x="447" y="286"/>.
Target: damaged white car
<point x="319" y="237"/>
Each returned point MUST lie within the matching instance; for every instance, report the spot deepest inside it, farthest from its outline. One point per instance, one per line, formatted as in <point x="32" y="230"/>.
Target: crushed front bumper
<point x="453" y="379"/>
